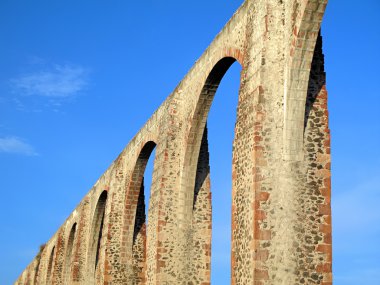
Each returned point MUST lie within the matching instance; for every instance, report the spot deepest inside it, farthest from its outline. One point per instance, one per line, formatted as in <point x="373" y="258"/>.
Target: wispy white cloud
<point x="16" y="145"/>
<point x="59" y="81"/>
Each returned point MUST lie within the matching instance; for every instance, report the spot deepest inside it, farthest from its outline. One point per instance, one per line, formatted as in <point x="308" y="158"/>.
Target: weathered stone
<point x="281" y="213"/>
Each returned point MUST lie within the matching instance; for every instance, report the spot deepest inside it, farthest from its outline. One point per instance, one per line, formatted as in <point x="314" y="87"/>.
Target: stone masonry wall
<point x="281" y="213"/>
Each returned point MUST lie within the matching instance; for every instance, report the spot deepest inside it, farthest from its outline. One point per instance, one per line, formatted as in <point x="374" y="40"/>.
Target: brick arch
<point x="69" y="252"/>
<point x="307" y="27"/>
<point x="43" y="261"/>
<point x="198" y="123"/>
<point x="96" y="234"/>
<point x="135" y="227"/>
<point x="38" y="267"/>
<point x="234" y="53"/>
<point x="50" y="266"/>
<point x="195" y="169"/>
<point x="317" y="155"/>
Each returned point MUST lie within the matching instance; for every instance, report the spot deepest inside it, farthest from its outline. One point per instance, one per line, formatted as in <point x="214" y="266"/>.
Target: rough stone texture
<point x="281" y="214"/>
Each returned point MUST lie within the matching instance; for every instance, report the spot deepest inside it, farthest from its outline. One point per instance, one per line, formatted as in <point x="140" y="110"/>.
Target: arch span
<point x="303" y="40"/>
<point x="135" y="219"/>
<point x="195" y="181"/>
<point x="95" y="242"/>
<point x="69" y="254"/>
<point x="49" y="273"/>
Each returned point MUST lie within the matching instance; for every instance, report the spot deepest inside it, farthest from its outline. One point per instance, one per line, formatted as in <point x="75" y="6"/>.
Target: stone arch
<point x="135" y="225"/>
<point x="303" y="41"/>
<point x="317" y="156"/>
<point x="195" y="175"/>
<point x="69" y="254"/>
<point x="317" y="81"/>
<point x="198" y="122"/>
<point x="38" y="265"/>
<point x="96" y="234"/>
<point x="49" y="273"/>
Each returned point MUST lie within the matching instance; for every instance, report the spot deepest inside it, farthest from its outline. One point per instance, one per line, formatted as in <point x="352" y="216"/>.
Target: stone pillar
<point x="272" y="194"/>
<point x="165" y="233"/>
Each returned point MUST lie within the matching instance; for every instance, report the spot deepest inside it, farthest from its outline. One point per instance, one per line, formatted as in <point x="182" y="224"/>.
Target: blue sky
<point x="79" y="78"/>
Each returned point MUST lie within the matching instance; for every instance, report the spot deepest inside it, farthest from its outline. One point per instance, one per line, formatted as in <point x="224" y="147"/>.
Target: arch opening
<point x="50" y="267"/>
<point x="97" y="234"/>
<point x="69" y="254"/>
<point x="37" y="270"/>
<point x="212" y="128"/>
<point x="137" y="204"/>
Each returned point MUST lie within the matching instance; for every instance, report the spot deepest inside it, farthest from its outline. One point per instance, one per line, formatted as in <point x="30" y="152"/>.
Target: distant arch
<point x="38" y="265"/>
<point x="50" y="267"/>
<point x="135" y="217"/>
<point x="96" y="234"/>
<point x="69" y="254"/>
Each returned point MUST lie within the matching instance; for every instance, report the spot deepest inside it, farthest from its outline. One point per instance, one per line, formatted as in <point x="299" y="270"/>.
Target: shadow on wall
<point x="317" y="79"/>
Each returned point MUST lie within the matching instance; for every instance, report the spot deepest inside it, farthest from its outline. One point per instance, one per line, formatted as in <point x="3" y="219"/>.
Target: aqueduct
<point x="281" y="214"/>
